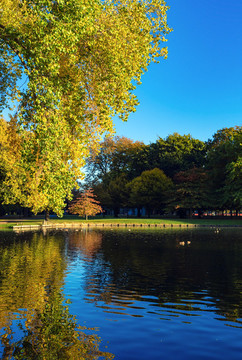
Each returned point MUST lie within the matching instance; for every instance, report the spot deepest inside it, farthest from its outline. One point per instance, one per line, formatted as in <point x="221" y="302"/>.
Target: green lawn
<point x="9" y="223"/>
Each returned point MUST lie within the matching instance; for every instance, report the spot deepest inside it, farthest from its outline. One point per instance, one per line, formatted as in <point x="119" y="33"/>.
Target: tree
<point x="41" y="174"/>
<point x="113" y="194"/>
<point x="10" y="143"/>
<point x="3" y="145"/>
<point x="108" y="172"/>
<point x="224" y="165"/>
<point x="85" y="205"/>
<point x="177" y="153"/>
<point x="101" y="191"/>
<point x="233" y="183"/>
<point x="118" y="193"/>
<point x="150" y="189"/>
<point x="191" y="190"/>
<point x="117" y="155"/>
<point x="70" y="67"/>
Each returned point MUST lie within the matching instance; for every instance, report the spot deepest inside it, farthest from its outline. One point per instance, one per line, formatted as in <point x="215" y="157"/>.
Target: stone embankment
<point x="111" y="225"/>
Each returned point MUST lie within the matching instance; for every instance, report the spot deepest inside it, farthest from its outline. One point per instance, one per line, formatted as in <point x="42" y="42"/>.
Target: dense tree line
<point x="177" y="174"/>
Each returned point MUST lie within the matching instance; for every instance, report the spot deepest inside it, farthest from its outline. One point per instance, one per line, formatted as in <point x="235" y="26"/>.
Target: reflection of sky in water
<point x="149" y="294"/>
<point x="172" y="308"/>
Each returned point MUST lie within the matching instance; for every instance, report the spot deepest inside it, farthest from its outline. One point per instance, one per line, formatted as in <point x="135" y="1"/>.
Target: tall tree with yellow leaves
<point x="70" y="66"/>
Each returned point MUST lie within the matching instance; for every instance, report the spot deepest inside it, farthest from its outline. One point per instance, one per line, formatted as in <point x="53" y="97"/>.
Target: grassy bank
<point x="9" y="223"/>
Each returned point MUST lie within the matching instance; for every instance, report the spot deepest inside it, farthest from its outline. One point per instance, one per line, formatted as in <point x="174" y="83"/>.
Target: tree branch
<point x="7" y="38"/>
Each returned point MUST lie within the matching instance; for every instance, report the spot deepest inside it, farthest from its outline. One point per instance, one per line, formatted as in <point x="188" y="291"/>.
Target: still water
<point x="147" y="294"/>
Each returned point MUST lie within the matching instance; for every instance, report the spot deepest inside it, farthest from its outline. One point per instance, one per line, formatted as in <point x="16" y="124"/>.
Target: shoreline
<point x="77" y="222"/>
<point x="64" y="226"/>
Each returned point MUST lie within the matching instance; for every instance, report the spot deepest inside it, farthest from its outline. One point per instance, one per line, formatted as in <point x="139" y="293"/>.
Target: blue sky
<point x="198" y="89"/>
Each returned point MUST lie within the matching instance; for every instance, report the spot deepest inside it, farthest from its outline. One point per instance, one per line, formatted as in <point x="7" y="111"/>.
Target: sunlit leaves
<point x="94" y="51"/>
<point x="80" y="61"/>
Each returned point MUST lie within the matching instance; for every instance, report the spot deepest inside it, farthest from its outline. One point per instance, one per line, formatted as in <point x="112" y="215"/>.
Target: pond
<point x="147" y="294"/>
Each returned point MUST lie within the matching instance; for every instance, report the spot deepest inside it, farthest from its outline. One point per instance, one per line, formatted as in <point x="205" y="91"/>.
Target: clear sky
<point x="198" y="89"/>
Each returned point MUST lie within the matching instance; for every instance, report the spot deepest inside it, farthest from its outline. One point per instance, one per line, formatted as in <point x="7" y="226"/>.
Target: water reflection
<point x="34" y="317"/>
<point x="177" y="272"/>
<point x="30" y="265"/>
<point x="88" y="242"/>
<point x="173" y="294"/>
<point x="50" y="334"/>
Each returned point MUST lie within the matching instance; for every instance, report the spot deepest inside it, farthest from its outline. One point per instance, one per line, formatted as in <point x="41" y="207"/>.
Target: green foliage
<point x="101" y="191"/>
<point x="118" y="193"/>
<point x="122" y="155"/>
<point x="79" y="62"/>
<point x="207" y="175"/>
<point x="177" y="153"/>
<point x="113" y="194"/>
<point x="224" y="165"/>
<point x="117" y="156"/>
<point x="39" y="174"/>
<point x="233" y="184"/>
<point x="150" y="189"/>
<point x="191" y="190"/>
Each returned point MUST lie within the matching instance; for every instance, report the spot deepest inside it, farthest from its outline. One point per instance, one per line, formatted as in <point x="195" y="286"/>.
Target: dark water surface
<point x="148" y="294"/>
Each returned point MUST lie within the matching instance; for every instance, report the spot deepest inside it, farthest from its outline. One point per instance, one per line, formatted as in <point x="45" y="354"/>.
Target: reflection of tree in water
<point x="29" y="267"/>
<point x="32" y="271"/>
<point x="52" y="333"/>
<point x="89" y="242"/>
<point x="172" y="266"/>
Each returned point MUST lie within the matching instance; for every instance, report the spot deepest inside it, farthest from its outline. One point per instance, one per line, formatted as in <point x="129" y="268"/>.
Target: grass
<point x="9" y="223"/>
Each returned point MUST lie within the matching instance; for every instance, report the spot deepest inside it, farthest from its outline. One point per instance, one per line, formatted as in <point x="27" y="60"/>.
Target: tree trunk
<point x="86" y="217"/>
<point x="47" y="215"/>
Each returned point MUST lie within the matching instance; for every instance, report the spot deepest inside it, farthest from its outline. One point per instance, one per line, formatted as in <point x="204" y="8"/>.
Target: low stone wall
<point x="111" y="225"/>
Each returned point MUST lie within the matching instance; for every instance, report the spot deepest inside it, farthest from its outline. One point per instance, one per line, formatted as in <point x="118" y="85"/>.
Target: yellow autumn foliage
<point x="70" y="66"/>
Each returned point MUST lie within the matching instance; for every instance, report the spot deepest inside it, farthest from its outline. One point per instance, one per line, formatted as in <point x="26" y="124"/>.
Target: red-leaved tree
<point x="85" y="205"/>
